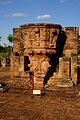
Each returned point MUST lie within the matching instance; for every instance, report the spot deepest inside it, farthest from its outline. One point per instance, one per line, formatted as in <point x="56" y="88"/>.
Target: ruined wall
<point x="47" y="50"/>
<point x="71" y="49"/>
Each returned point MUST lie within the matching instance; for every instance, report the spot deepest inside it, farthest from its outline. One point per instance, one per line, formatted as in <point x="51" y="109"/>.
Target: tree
<point x="10" y="38"/>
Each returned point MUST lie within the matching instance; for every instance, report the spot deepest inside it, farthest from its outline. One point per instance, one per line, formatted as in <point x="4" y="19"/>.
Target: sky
<point x="14" y="13"/>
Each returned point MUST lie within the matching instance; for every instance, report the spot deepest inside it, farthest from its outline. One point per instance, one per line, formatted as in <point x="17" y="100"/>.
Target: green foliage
<point x="10" y="38"/>
<point x="5" y="52"/>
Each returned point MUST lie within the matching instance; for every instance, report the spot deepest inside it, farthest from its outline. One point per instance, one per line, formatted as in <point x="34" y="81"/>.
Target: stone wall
<point x="46" y="52"/>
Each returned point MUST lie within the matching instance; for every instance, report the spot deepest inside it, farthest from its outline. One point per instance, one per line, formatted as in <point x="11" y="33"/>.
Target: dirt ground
<point x="18" y="103"/>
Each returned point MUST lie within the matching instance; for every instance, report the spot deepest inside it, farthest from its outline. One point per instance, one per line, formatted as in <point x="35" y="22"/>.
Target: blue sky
<point x="14" y="13"/>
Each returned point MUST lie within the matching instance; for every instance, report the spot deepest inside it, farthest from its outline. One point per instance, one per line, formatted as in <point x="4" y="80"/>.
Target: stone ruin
<point x="4" y="62"/>
<point x="47" y="53"/>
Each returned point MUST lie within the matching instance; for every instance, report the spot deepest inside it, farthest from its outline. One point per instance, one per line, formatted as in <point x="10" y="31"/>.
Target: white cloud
<point x="7" y="2"/>
<point x="63" y="1"/>
<point x="15" y="15"/>
<point x="46" y="16"/>
<point x="18" y="15"/>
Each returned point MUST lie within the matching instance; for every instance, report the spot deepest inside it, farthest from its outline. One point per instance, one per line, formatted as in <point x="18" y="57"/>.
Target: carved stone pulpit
<point x="40" y="42"/>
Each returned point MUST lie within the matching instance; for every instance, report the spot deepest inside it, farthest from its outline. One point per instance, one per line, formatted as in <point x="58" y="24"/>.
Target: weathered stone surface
<point x="46" y="52"/>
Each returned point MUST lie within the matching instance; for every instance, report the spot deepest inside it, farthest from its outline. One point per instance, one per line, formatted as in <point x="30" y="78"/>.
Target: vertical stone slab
<point x="21" y="66"/>
<point x="65" y="67"/>
<point x="74" y="68"/>
<point x="16" y="63"/>
<point x="61" y="69"/>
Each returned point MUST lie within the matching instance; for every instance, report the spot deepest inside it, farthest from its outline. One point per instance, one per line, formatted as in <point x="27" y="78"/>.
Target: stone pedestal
<point x="40" y="42"/>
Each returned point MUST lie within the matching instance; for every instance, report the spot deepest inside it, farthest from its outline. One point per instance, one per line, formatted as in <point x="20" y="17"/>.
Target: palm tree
<point x="10" y="38"/>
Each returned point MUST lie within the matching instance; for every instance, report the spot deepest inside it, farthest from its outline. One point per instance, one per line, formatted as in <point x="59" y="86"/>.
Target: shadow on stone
<point x="54" y="58"/>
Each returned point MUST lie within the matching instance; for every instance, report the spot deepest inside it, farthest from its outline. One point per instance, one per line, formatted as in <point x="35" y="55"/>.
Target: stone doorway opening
<point x="26" y="62"/>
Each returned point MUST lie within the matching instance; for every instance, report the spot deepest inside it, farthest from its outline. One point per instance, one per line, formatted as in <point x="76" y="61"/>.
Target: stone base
<point x="58" y="82"/>
<point x="65" y="83"/>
